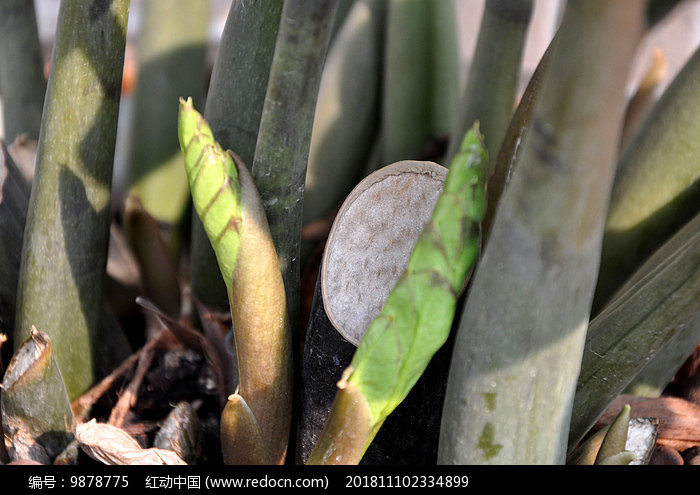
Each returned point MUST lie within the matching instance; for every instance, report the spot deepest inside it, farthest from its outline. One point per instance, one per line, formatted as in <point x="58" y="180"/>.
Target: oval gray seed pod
<point x="371" y="240"/>
<point x="382" y="197"/>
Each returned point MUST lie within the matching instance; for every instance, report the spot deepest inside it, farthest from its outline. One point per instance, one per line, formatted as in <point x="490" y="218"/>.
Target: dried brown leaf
<point x="215" y="331"/>
<point x="194" y="340"/>
<point x="182" y="433"/>
<point x="113" y="446"/>
<point x="36" y="416"/>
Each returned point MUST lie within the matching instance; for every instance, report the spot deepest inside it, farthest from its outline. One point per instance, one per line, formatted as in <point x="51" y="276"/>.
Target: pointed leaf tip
<point x="242" y="440"/>
<point x="616" y="437"/>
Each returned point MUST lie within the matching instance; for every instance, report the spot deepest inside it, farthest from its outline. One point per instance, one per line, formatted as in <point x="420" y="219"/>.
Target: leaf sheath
<point x="227" y="202"/>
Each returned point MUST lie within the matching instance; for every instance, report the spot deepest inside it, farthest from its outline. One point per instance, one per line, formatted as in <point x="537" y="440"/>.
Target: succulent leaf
<point x="417" y="316"/>
<point x="215" y="190"/>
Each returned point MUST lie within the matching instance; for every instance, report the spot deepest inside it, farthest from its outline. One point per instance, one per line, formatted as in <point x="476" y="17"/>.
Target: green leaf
<point x="417" y="316"/>
<point x="227" y="201"/>
<point x="215" y="190"/>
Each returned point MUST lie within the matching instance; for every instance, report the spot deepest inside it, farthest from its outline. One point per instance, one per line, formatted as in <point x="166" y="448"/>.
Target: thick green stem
<point x="172" y="64"/>
<point x="518" y="349"/>
<point x="506" y="160"/>
<point x="241" y="71"/>
<point x="284" y="137"/>
<point x="66" y="236"/>
<point x="494" y="74"/>
<point x="234" y="105"/>
<point x="421" y="76"/>
<point x="21" y="69"/>
<point x="347" y="430"/>
<point x="345" y="122"/>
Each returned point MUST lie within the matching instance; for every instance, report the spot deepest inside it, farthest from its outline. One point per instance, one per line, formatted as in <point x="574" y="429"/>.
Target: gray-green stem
<point x="284" y="137"/>
<point x="172" y="64"/>
<point x="519" y="344"/>
<point x="66" y="235"/>
<point x="234" y="105"/>
<point x="22" y="80"/>
<point x="494" y="74"/>
<point x="421" y="77"/>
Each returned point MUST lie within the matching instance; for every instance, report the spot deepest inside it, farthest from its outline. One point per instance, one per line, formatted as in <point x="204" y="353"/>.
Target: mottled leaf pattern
<point x="417" y="316"/>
